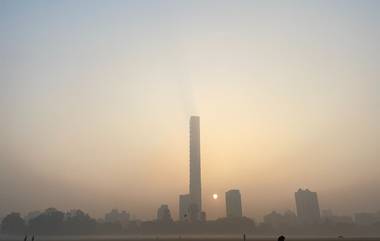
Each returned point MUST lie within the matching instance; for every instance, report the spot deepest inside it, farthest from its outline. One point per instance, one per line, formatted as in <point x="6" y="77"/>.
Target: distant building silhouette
<point x="184" y="204"/>
<point x="290" y="218"/>
<point x="274" y="219"/>
<point x="190" y="205"/>
<point x="194" y="212"/>
<point x="327" y="217"/>
<point x="278" y="220"/>
<point x="163" y="214"/>
<point x="233" y="204"/>
<point x="307" y="207"/>
<point x="195" y="162"/>
<point x="115" y="216"/>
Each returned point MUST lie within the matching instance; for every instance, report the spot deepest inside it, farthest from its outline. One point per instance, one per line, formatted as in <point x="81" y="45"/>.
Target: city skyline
<point x="96" y="96"/>
<point x="307" y="214"/>
<point x="307" y="209"/>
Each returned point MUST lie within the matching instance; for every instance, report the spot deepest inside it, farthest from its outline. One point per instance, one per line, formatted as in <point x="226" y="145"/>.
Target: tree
<point x="49" y="222"/>
<point x="78" y="222"/>
<point x="13" y="224"/>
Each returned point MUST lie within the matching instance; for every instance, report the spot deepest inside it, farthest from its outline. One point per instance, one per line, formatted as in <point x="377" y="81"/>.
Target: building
<point x="290" y="218"/>
<point x="233" y="204"/>
<point x="273" y="219"/>
<point x="307" y="207"/>
<point x="163" y="214"/>
<point x="184" y="204"/>
<point x="194" y="213"/>
<point x="195" y="162"/>
<point x="190" y="205"/>
<point x="278" y="220"/>
<point x="328" y="217"/>
<point x="116" y="216"/>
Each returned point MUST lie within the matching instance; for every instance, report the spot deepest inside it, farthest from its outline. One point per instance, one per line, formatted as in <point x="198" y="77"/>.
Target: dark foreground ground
<point x="183" y="238"/>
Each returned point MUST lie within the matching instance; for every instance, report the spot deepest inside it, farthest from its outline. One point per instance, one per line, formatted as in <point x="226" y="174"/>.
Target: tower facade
<point x="307" y="207"/>
<point x="233" y="204"/>
<point x="195" y="162"/>
<point x="190" y="205"/>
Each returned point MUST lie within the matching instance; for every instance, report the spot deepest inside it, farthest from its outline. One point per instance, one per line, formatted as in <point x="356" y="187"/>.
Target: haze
<point x="95" y="98"/>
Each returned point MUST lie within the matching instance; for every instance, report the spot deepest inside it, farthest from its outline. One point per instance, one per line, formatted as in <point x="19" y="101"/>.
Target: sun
<point x="214" y="196"/>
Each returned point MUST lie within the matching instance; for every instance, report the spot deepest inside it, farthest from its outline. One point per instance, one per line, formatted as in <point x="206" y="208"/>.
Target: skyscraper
<point x="195" y="163"/>
<point x="307" y="207"/>
<point x="184" y="204"/>
<point x="233" y="204"/>
<point x="190" y="205"/>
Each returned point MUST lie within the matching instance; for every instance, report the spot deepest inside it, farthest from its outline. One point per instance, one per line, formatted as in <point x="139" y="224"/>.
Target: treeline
<point x="55" y="222"/>
<point x="51" y="221"/>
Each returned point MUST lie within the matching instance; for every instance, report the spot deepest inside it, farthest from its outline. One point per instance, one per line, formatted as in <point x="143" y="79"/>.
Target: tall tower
<point x="195" y="163"/>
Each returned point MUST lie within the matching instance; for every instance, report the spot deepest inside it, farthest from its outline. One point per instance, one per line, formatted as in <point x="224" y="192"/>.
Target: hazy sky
<point x="95" y="99"/>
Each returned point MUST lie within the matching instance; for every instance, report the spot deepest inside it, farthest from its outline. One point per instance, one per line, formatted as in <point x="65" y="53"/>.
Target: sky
<point x="96" y="96"/>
